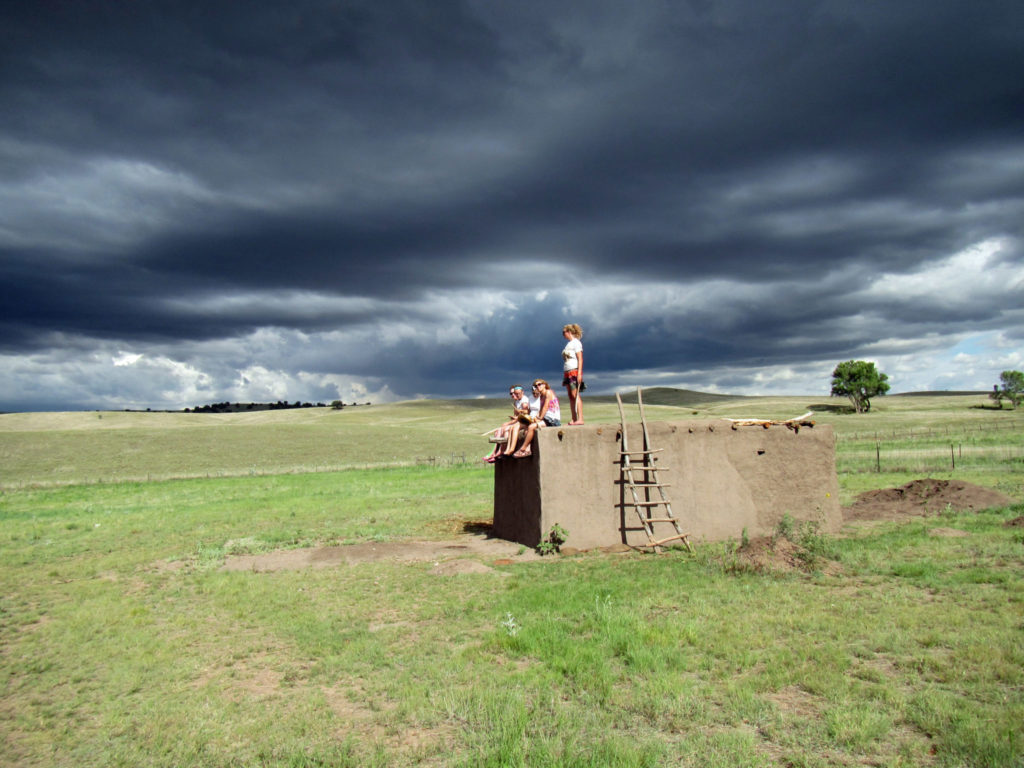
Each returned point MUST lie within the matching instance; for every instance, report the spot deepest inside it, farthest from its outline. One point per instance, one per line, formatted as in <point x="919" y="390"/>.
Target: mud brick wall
<point x="721" y="480"/>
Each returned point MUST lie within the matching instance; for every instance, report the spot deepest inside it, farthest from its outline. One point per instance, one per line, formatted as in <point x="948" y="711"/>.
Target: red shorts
<point x="571" y="378"/>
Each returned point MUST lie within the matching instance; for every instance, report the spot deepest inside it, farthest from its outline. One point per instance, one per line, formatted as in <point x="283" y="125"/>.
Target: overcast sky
<point x="381" y="200"/>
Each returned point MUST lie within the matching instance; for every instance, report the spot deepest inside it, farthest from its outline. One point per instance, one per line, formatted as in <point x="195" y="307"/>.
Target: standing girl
<point x="572" y="370"/>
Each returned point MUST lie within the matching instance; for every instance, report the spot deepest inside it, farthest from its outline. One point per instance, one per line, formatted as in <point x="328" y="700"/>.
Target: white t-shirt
<point x="534" y="406"/>
<point x="569" y="362"/>
<point x="523" y="403"/>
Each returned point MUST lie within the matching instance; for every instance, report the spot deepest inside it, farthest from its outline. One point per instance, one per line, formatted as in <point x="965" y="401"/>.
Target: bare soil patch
<point x="947" y="533"/>
<point x="924" y="497"/>
<point x="464" y="554"/>
<point x="794" y="700"/>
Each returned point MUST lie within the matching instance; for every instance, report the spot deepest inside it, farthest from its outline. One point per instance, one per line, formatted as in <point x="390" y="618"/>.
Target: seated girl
<point x="510" y="429"/>
<point x="549" y="414"/>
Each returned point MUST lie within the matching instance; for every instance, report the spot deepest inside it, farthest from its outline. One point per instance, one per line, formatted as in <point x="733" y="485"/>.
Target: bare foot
<point x="523" y="454"/>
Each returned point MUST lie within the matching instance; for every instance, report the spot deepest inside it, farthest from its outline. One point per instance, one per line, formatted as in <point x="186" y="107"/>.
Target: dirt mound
<point x="1017" y="522"/>
<point x="771" y="554"/>
<point x="777" y="554"/>
<point x="924" y="497"/>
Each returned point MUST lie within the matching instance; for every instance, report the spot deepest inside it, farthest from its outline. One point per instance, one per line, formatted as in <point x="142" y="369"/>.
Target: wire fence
<point x="442" y="461"/>
<point x="957" y="431"/>
<point x="926" y="450"/>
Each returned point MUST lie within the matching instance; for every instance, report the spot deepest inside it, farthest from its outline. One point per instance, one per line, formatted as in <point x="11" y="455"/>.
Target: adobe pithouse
<point x="722" y="477"/>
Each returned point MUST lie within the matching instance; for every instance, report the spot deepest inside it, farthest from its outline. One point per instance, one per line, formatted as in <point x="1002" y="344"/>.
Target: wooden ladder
<point x="650" y="510"/>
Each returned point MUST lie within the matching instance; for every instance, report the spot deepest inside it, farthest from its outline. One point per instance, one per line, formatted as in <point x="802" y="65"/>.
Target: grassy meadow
<point x="123" y="642"/>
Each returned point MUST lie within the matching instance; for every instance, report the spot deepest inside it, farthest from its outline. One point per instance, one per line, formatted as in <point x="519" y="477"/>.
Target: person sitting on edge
<point x="510" y="429"/>
<point x="525" y="421"/>
<point x="549" y="414"/>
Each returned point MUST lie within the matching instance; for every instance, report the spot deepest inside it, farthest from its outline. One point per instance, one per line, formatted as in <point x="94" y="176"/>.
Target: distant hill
<point x="941" y="393"/>
<point x="683" y="398"/>
<point x="687" y="398"/>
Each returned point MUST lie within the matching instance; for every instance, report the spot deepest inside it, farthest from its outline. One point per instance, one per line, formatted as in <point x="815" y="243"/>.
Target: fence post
<point x="878" y="458"/>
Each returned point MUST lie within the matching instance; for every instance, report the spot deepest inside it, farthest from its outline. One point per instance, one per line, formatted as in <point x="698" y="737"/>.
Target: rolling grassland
<point x="125" y="641"/>
<point x="88" y="447"/>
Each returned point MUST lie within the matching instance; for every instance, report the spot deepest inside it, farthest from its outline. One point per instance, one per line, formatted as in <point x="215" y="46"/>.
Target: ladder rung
<point x="640" y="484"/>
<point x="660" y="520"/>
<point x="645" y="503"/>
<point x="651" y="450"/>
<point x="670" y="538"/>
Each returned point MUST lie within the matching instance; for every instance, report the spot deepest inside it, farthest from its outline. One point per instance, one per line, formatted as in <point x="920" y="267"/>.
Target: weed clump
<point x="812" y="546"/>
<point x="556" y="537"/>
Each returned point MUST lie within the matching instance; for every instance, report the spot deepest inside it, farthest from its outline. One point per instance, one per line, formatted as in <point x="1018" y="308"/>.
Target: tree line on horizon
<point x="280" y="405"/>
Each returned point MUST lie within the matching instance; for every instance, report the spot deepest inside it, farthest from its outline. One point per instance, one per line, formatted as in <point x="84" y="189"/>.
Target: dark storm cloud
<point x="456" y="180"/>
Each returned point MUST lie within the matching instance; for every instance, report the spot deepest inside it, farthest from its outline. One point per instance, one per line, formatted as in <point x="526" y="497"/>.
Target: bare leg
<point x="510" y="444"/>
<point x="502" y="430"/>
<point x="575" y="406"/>
<point x="526" y="450"/>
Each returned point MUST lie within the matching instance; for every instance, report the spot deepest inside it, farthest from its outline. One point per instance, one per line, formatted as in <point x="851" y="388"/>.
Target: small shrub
<point x="557" y="536"/>
<point x="814" y="541"/>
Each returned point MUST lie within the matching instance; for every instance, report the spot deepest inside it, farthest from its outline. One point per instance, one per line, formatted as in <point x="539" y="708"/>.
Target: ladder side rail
<point x="648" y="461"/>
<point x="653" y="475"/>
<point x="627" y="470"/>
<point x="649" y="469"/>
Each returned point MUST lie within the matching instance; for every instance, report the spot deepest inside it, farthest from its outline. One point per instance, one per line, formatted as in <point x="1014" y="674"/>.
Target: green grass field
<point x="124" y="643"/>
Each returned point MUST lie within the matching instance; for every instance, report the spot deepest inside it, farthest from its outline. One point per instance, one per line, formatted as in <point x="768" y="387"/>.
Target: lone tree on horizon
<point x="859" y="380"/>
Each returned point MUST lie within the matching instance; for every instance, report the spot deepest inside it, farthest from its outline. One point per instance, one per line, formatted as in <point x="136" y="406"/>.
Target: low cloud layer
<point x="380" y="201"/>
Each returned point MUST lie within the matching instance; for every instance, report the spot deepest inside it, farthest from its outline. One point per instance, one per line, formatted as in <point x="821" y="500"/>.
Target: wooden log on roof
<point x="794" y="423"/>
